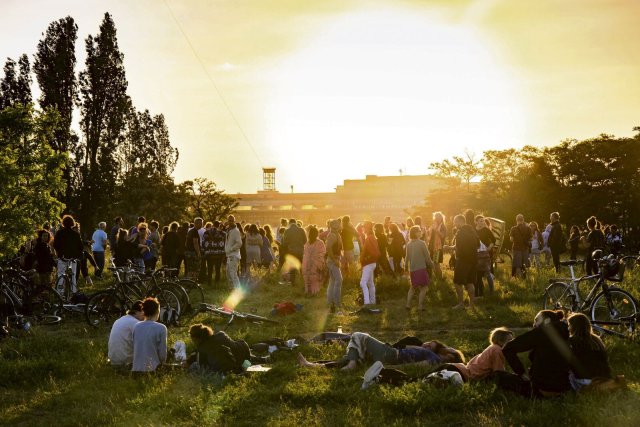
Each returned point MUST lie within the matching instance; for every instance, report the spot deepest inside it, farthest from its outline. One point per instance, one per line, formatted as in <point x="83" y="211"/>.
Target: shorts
<point x="465" y="272"/>
<point x="420" y="278"/>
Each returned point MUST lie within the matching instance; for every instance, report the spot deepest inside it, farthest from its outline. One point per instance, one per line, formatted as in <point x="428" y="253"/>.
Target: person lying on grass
<point x="363" y="347"/>
<point x="217" y="352"/>
<point x="479" y="367"/>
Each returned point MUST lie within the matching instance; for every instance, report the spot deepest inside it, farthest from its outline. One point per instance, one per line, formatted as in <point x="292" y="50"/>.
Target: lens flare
<point x="235" y="297"/>
<point x="290" y="263"/>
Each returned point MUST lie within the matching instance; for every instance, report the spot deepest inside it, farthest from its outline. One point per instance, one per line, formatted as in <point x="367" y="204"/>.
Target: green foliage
<point x="30" y="173"/>
<point x="207" y="201"/>
<point x="15" y="87"/>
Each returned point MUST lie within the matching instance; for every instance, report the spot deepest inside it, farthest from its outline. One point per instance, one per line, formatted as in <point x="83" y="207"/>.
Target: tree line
<point x="118" y="162"/>
<point x="578" y="178"/>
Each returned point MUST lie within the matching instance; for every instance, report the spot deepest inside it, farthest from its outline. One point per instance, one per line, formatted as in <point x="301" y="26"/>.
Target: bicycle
<point x="37" y="305"/>
<point x="65" y="283"/>
<point x="623" y="327"/>
<point x="630" y="261"/>
<point x="232" y="315"/>
<point x="610" y="304"/>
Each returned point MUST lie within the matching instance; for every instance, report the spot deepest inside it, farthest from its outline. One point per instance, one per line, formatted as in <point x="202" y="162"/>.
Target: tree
<point x="104" y="103"/>
<point x="30" y="172"/>
<point x="15" y="87"/>
<point x="465" y="169"/>
<point x="54" y="67"/>
<point x="207" y="201"/>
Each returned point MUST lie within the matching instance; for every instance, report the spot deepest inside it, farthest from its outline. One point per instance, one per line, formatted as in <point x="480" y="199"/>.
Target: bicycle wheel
<point x="181" y="293"/>
<point x="45" y="320"/>
<point x="103" y="308"/>
<point x="611" y="306"/>
<point x="559" y="296"/>
<point x="168" y="300"/>
<point x="44" y="301"/>
<point x="196" y="294"/>
<point x="63" y="287"/>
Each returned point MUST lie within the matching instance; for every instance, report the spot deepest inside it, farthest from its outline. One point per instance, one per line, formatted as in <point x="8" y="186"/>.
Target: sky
<point x="340" y="89"/>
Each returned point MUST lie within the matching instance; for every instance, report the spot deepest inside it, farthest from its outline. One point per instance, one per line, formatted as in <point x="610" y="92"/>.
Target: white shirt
<point x="121" y="340"/>
<point x="99" y="240"/>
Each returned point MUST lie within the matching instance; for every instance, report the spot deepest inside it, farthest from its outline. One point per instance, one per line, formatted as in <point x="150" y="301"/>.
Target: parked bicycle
<point x="604" y="303"/>
<point x="231" y="315"/>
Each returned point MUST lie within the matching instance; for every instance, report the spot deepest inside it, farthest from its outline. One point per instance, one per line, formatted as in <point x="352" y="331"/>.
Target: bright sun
<point x="387" y="90"/>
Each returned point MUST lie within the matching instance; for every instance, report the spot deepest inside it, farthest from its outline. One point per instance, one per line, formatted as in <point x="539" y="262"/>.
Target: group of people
<point x="564" y="354"/>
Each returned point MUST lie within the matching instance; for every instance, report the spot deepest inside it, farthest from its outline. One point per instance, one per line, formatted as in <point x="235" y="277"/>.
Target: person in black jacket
<point x="589" y="356"/>
<point x="43" y="258"/>
<point x="218" y="352"/>
<point x="557" y="242"/>
<point x="550" y="355"/>
<point x="466" y="251"/>
<point x="68" y="245"/>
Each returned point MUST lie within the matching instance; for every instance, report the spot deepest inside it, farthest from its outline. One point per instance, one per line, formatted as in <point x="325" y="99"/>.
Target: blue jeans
<point x="334" y="290"/>
<point x="99" y="257"/>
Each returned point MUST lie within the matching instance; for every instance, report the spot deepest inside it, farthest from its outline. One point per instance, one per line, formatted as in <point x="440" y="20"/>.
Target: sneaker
<point x="371" y="374"/>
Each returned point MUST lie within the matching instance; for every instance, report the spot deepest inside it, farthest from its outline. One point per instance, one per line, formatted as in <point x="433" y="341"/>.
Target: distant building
<point x="371" y="198"/>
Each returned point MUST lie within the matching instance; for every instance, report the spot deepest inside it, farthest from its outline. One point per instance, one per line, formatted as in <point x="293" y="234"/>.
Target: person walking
<point x="368" y="258"/>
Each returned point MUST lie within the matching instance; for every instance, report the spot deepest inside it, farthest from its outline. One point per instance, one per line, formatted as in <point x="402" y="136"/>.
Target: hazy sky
<point x="328" y="90"/>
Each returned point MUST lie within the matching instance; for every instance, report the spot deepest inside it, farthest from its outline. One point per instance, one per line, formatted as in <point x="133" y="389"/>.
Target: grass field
<point x="58" y="375"/>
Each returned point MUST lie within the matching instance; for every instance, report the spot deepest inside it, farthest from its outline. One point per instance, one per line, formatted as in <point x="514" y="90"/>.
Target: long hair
<point x="581" y="332"/>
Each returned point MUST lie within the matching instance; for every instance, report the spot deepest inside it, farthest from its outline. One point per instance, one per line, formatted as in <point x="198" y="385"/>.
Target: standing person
<point x="557" y="241"/>
<point x="98" y="248"/>
<point x="545" y="248"/>
<point x="118" y="223"/>
<point x="437" y="234"/>
<point x="466" y="251"/>
<point x="368" y="257"/>
<point x="120" y="347"/>
<point x="293" y="242"/>
<point x="253" y="241"/>
<point x="279" y="235"/>
<point x="348" y="234"/>
<point x="43" y="258"/>
<point x="149" y="339"/>
<point x="169" y="246"/>
<point x="182" y="232"/>
<point x="396" y="248"/>
<point x="134" y="229"/>
<point x="614" y="240"/>
<point x="520" y="236"/>
<point x="382" y="264"/>
<point x="386" y="224"/>
<point x="574" y="241"/>
<point x="417" y="261"/>
<point x="334" y="252"/>
<point x="594" y="240"/>
<point x="266" y="253"/>
<point x="232" y="246"/>
<point x="243" y="249"/>
<point x="549" y="353"/>
<point x="68" y="244"/>
<point x="423" y="229"/>
<point x="143" y="245"/>
<point x="537" y="243"/>
<point x="313" y="263"/>
<point x="154" y="253"/>
<point x="488" y="241"/>
<point x="192" y="253"/>
<point x="214" y="239"/>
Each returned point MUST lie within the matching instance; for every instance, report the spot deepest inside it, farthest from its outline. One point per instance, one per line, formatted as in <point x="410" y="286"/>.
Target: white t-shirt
<point x="121" y="340"/>
<point x="99" y="240"/>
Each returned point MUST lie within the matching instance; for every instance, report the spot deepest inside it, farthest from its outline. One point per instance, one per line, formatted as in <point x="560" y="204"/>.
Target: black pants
<point x="513" y="383"/>
<point x="180" y="260"/>
<point x="213" y="262"/>
<point x="555" y="255"/>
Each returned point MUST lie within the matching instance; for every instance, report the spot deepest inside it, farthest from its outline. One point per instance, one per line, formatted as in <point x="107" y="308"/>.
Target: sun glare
<point x="381" y="91"/>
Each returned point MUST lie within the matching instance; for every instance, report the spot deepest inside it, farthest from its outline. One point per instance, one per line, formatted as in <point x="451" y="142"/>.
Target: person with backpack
<point x="557" y="240"/>
<point x="213" y="249"/>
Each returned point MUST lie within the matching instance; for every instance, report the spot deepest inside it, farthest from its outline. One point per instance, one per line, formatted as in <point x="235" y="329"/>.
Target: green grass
<point x="58" y="375"/>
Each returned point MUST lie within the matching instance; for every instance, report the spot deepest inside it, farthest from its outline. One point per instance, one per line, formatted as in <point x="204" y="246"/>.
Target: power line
<point x="213" y="83"/>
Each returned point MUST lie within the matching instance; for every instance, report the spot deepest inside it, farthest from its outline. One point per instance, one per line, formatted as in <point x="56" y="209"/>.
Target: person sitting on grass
<point x="149" y="339"/>
<point x="120" y="348"/>
<point x="218" y="352"/>
<point x="549" y="353"/>
<point x="417" y="261"/>
<point x="363" y="347"/>
<point x="589" y="359"/>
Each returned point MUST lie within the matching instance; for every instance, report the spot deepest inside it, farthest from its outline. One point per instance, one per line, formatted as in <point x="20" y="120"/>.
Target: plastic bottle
<point x="339" y="329"/>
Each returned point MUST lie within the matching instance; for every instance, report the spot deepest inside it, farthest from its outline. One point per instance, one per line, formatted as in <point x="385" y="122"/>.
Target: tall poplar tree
<point x="104" y="103"/>
<point x="54" y="67"/>
<point x="15" y="86"/>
